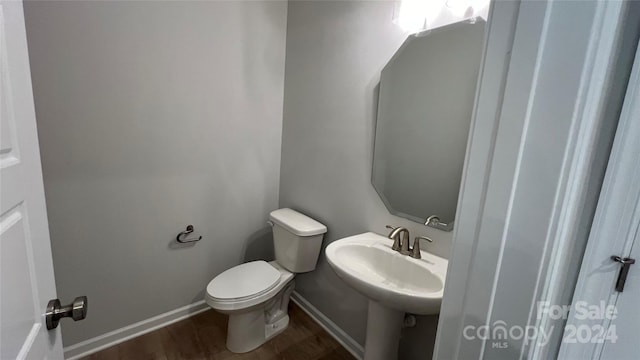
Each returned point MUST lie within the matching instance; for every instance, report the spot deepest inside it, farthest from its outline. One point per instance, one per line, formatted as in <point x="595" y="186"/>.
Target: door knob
<point x="77" y="310"/>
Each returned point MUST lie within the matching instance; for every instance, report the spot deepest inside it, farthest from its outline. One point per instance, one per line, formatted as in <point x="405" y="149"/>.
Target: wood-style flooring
<point x="203" y="336"/>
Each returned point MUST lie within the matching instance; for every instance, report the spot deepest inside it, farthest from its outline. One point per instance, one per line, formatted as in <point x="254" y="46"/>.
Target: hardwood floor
<point x="203" y="337"/>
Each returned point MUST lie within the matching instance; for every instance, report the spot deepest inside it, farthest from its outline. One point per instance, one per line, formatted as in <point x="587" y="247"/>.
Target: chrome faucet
<point x="401" y="245"/>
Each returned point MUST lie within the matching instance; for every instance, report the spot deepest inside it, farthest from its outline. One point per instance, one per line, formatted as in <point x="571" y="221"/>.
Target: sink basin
<point x="367" y="263"/>
<point x="394" y="283"/>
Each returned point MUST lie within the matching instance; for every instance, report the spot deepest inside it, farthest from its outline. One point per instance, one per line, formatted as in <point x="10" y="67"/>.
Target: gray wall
<point x="152" y="116"/>
<point x="335" y="52"/>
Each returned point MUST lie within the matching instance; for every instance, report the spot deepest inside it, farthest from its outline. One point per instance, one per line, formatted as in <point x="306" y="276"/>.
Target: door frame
<point x="616" y="222"/>
<point x="515" y="200"/>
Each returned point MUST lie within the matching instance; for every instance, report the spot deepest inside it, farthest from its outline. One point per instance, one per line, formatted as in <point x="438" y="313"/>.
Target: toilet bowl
<point x="256" y="294"/>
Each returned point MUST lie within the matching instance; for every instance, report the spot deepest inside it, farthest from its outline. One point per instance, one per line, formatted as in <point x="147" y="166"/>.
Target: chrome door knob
<point x="76" y="310"/>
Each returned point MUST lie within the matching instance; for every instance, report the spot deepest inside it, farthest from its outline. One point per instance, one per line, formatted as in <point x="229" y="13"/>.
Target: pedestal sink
<point x="394" y="283"/>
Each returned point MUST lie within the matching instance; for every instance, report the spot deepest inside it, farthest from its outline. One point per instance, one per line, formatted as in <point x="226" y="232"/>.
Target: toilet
<point x="255" y="294"/>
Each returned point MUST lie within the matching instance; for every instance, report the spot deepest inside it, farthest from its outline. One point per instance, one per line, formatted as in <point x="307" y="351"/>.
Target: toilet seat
<point x="246" y="285"/>
<point x="244" y="281"/>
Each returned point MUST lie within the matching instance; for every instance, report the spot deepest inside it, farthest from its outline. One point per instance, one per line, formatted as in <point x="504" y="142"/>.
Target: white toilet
<point x="256" y="294"/>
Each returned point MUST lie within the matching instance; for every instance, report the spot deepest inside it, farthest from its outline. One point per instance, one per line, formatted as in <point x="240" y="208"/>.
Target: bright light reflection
<point x="420" y="15"/>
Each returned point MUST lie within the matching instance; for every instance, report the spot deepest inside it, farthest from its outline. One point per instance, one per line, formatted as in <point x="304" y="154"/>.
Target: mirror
<point x="425" y="105"/>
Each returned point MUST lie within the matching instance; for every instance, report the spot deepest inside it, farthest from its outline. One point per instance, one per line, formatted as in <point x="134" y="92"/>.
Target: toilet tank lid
<point x="297" y="223"/>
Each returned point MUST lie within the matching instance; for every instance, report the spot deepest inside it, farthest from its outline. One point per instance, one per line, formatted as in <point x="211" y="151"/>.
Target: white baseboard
<point x="115" y="337"/>
<point x="329" y="326"/>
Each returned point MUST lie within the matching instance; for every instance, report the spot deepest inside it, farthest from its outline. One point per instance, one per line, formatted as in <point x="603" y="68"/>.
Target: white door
<point x="594" y="330"/>
<point x="26" y="267"/>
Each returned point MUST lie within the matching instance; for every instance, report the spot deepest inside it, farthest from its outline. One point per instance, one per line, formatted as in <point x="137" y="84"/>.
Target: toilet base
<point x="248" y="330"/>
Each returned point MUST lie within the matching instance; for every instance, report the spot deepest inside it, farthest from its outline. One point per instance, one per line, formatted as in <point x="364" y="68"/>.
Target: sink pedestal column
<point x="383" y="332"/>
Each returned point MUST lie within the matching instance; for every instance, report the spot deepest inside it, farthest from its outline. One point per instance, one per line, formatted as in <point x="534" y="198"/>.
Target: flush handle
<point x="77" y="310"/>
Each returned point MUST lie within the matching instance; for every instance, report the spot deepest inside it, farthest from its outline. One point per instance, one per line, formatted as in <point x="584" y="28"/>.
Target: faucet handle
<point x="415" y="252"/>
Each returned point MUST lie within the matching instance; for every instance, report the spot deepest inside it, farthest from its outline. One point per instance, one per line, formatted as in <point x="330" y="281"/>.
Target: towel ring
<point x="182" y="237"/>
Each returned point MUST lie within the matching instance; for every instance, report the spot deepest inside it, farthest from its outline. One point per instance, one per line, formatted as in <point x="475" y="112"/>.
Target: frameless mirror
<point x="425" y="103"/>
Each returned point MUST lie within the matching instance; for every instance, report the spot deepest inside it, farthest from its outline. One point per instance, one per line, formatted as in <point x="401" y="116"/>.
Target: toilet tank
<point x="297" y="239"/>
